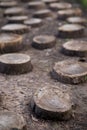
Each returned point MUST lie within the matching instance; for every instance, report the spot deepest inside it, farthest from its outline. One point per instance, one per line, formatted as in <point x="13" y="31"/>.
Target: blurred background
<point x="83" y="3"/>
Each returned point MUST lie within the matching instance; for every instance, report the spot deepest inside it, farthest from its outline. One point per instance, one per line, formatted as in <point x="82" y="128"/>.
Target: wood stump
<point x="43" y="13"/>
<point x="49" y="1"/>
<point x="71" y="31"/>
<point x="44" y="41"/>
<point x="75" y="48"/>
<point x="33" y="22"/>
<point x="70" y="71"/>
<point x="52" y="103"/>
<point x="17" y="19"/>
<point x="10" y="42"/>
<point x="14" y="11"/>
<point x="11" y="121"/>
<point x="64" y="14"/>
<point x="15" y="28"/>
<point x="60" y="6"/>
<point x="15" y="63"/>
<point x="36" y="5"/>
<point x="8" y="4"/>
<point x="77" y="20"/>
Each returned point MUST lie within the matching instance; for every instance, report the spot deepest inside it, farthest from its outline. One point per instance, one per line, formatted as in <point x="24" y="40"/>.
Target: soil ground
<point x="17" y="91"/>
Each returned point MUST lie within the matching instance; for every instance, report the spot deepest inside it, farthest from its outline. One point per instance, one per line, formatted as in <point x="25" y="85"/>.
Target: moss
<point x="83" y="3"/>
<point x="85" y="78"/>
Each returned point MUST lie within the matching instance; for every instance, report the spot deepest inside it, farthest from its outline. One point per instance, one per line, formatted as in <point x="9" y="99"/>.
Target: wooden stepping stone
<point x="50" y="1"/>
<point x="52" y="103"/>
<point x="77" y="20"/>
<point x="70" y="71"/>
<point x="75" y="48"/>
<point x="7" y="0"/>
<point x="43" y="13"/>
<point x="15" y="63"/>
<point x="36" y="5"/>
<point x="71" y="31"/>
<point x="63" y="14"/>
<point x="15" y="28"/>
<point x="17" y="19"/>
<point x="11" y="121"/>
<point x="14" y="11"/>
<point x="8" y="4"/>
<point x="43" y="42"/>
<point x="60" y="6"/>
<point x="33" y="22"/>
<point x="10" y="42"/>
<point x="27" y="0"/>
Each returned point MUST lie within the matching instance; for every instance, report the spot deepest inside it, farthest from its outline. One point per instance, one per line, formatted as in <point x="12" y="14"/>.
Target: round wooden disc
<point x="50" y="1"/>
<point x="15" y="63"/>
<point x="33" y="22"/>
<point x="63" y="14"/>
<point x="43" y="13"/>
<point x="60" y="5"/>
<point x="11" y="121"/>
<point x="44" y="41"/>
<point x="77" y="20"/>
<point x="15" y="28"/>
<point x="6" y="0"/>
<point x="36" y="5"/>
<point x="70" y="71"/>
<point x="10" y="42"/>
<point x="8" y="4"/>
<point x="17" y="19"/>
<point x="51" y="103"/>
<point x="14" y="11"/>
<point x="27" y="0"/>
<point x="75" y="48"/>
<point x="71" y="31"/>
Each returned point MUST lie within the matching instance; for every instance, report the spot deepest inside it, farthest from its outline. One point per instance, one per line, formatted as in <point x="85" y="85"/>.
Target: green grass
<point x="83" y="3"/>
